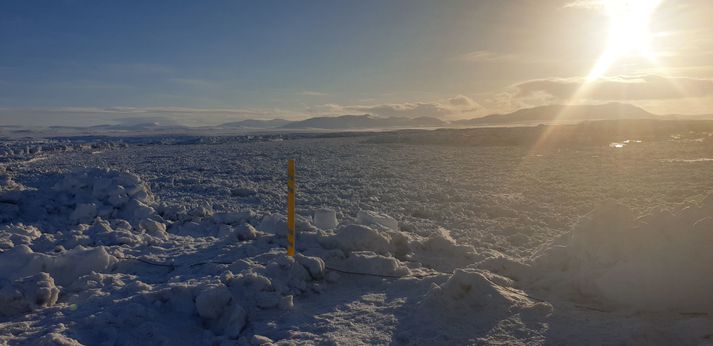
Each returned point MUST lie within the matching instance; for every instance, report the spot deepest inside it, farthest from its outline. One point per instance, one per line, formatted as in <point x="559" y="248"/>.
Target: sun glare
<point x="629" y="34"/>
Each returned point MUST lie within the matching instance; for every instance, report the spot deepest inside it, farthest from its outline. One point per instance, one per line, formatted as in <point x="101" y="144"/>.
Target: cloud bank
<point x="453" y="106"/>
<point x="622" y="88"/>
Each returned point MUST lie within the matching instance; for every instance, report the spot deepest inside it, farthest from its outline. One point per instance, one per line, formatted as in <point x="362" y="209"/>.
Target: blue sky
<point x="211" y="61"/>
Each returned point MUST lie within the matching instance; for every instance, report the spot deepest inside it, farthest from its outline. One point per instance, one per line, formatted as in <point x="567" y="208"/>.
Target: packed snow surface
<point x="184" y="243"/>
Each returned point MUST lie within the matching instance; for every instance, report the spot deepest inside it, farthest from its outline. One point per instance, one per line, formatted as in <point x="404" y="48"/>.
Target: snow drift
<point x="27" y="294"/>
<point x="659" y="261"/>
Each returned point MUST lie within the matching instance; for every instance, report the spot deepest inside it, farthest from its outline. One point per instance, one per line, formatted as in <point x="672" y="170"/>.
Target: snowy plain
<point x="181" y="240"/>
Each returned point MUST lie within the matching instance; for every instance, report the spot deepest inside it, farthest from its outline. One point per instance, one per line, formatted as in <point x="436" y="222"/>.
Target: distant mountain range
<point x="137" y="127"/>
<point x="528" y="116"/>
<point x="559" y="113"/>
<point x="257" y="124"/>
<point x="342" y="122"/>
<point x="363" y="122"/>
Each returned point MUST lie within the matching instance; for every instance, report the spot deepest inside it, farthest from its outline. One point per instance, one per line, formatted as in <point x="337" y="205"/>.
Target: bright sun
<point x="629" y="33"/>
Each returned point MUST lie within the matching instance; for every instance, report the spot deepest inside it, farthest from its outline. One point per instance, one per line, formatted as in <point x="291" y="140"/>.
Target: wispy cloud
<point x="137" y="68"/>
<point x="484" y="56"/>
<point x="586" y="4"/>
<point x="311" y="93"/>
<point x="490" y="57"/>
<point x="195" y="82"/>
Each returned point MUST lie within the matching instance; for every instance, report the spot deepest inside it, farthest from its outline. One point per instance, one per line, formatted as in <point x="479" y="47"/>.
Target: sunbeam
<point x="629" y="34"/>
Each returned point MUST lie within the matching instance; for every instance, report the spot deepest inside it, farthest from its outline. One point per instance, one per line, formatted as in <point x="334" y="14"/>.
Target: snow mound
<point x="79" y="197"/>
<point x="214" y="227"/>
<point x="260" y="340"/>
<point x="277" y="224"/>
<point x="56" y="339"/>
<point x="105" y="193"/>
<point x="21" y="261"/>
<point x="441" y="252"/>
<point x="234" y="218"/>
<point x="243" y="232"/>
<point x="357" y="238"/>
<point x="101" y="232"/>
<point x="660" y="261"/>
<point x="369" y="262"/>
<point x="17" y="234"/>
<point x="288" y="276"/>
<point x="383" y="250"/>
<point x="202" y="221"/>
<point x="27" y="294"/>
<point x="477" y="290"/>
<point x="10" y="192"/>
<point x="6" y="183"/>
<point x="376" y="219"/>
<point x="212" y="301"/>
<point x="314" y="265"/>
<point x="325" y="218"/>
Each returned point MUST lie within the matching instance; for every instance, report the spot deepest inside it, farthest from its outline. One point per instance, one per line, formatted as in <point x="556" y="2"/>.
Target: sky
<point x="86" y="62"/>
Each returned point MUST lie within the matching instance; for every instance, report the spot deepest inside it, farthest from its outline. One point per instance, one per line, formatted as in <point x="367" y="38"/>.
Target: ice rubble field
<point x="184" y="244"/>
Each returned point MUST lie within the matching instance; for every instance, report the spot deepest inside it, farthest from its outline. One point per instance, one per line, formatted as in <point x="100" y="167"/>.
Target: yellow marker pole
<point x="291" y="187"/>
